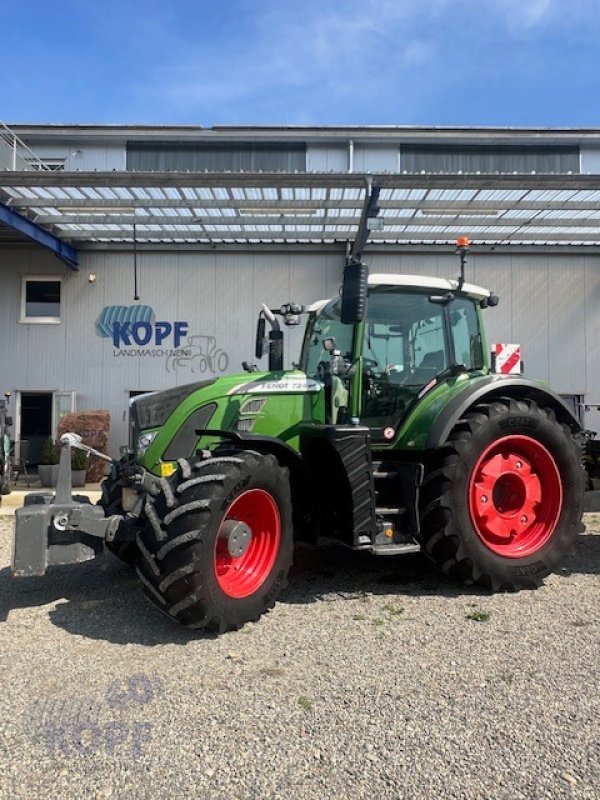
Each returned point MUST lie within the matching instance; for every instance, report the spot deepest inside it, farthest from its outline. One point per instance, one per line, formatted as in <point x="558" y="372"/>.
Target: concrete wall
<point x="549" y="303"/>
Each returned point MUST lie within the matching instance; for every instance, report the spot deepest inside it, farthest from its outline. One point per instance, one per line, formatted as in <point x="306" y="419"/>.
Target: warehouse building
<point x="187" y="230"/>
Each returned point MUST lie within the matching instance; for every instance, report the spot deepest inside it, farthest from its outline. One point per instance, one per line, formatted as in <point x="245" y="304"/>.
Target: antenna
<point x="462" y="250"/>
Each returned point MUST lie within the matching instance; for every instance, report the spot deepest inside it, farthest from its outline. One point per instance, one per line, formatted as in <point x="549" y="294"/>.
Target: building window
<point x="40" y="299"/>
<point x="488" y="159"/>
<point x="225" y="157"/>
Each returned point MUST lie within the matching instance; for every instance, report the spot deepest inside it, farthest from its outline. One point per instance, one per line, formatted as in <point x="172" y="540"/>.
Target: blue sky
<point x="330" y="62"/>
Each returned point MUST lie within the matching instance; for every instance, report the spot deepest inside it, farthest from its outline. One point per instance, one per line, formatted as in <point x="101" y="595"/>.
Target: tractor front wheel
<point x="503" y="505"/>
<point x="110" y="501"/>
<point x="218" y="542"/>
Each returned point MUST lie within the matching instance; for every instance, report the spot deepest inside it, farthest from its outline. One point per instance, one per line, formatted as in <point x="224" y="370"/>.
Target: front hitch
<point x="62" y="528"/>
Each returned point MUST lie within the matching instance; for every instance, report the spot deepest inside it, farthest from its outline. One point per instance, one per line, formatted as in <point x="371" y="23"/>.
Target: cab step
<point x="391" y="549"/>
<point x="389" y="512"/>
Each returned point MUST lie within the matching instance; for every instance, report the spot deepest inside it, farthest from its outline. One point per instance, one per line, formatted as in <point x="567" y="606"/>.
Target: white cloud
<point x="322" y="49"/>
<point x="300" y="60"/>
<point x="526" y="14"/>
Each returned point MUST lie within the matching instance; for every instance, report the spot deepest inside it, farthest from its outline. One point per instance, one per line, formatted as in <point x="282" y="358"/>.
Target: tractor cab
<point x="415" y="333"/>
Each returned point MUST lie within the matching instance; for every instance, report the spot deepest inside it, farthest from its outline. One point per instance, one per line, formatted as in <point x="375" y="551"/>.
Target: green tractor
<point x="390" y="436"/>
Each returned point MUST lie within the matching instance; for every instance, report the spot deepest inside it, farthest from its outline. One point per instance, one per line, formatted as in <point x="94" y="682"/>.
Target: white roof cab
<point x="417" y="282"/>
<point x="426" y="282"/>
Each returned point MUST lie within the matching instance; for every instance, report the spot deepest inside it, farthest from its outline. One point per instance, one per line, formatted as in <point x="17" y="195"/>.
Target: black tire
<point x="177" y="547"/>
<point x="449" y="525"/>
<point x="127" y="552"/>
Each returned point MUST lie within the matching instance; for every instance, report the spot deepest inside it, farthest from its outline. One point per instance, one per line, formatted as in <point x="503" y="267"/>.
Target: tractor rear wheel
<point x="503" y="504"/>
<point x="218" y="542"/>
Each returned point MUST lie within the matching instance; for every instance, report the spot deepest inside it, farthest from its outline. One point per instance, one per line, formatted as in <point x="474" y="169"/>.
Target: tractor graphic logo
<point x="121" y="315"/>
<point x="136" y="325"/>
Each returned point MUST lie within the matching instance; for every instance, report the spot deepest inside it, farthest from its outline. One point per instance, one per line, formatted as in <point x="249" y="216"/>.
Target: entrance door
<point x="34" y="422"/>
<point x="37" y="415"/>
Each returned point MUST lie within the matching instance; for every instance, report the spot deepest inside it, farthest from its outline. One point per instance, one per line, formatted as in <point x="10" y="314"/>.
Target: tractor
<point x="5" y="445"/>
<point x="391" y="435"/>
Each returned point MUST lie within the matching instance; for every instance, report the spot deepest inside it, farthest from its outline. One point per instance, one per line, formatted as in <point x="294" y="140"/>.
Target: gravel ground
<point x="372" y="678"/>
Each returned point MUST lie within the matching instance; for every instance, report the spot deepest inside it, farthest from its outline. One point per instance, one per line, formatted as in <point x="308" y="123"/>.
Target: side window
<point x="41" y="299"/>
<point x="465" y="331"/>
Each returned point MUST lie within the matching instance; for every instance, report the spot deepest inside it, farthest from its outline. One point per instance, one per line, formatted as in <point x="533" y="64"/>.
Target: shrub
<point x="50" y="453"/>
<point x="78" y="460"/>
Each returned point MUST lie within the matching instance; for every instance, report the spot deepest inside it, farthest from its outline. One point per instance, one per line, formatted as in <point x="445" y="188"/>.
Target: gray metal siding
<point x="590" y="159"/>
<point x="549" y="303"/>
<point x="87" y="157"/>
<point x="376" y="158"/>
<point x="327" y="158"/>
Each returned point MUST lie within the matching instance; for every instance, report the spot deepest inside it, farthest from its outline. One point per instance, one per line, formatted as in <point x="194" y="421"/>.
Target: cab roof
<point x="426" y="282"/>
<point x="417" y="282"/>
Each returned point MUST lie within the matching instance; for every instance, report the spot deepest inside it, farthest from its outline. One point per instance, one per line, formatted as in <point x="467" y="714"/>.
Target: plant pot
<point x="48" y="474"/>
<point x="78" y="477"/>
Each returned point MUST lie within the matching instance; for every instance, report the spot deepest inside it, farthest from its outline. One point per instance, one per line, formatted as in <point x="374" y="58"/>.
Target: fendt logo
<point x="136" y="325"/>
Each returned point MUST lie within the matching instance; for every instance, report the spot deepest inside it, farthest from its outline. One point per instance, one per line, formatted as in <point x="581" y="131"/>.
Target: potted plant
<point x="78" y="467"/>
<point x="48" y="466"/>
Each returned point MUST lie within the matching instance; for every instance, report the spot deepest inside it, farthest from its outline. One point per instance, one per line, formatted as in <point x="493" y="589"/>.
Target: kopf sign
<point x="141" y="333"/>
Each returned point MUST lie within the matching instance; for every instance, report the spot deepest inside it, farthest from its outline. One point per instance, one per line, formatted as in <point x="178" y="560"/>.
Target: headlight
<point x="144" y="441"/>
<point x="153" y="410"/>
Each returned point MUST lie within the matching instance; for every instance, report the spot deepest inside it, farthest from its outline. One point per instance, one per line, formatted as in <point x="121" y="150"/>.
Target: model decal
<point x="286" y="384"/>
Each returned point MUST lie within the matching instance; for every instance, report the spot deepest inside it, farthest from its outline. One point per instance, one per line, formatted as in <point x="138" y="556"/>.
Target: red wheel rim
<point x="240" y="577"/>
<point x="515" y="496"/>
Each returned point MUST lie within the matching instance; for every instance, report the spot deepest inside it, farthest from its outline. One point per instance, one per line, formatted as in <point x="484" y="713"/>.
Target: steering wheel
<point x="370" y="362"/>
<point x="323" y="371"/>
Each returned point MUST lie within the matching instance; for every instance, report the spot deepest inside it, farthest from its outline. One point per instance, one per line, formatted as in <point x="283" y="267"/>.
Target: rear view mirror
<point x="259" y="349"/>
<point x="354" y="293"/>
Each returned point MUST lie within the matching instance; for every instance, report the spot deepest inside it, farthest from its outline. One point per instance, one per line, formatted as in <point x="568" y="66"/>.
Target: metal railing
<point x="15" y="154"/>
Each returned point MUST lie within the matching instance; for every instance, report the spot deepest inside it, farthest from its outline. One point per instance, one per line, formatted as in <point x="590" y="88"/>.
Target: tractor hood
<point x="164" y="424"/>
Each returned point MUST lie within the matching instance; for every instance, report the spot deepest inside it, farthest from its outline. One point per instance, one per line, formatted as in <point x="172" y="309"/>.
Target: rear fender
<point x="491" y="388"/>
